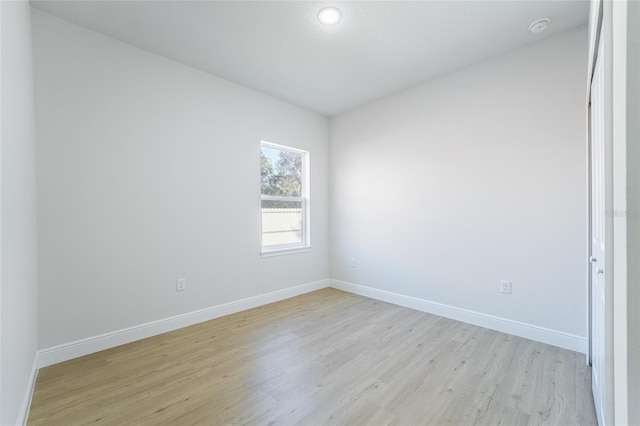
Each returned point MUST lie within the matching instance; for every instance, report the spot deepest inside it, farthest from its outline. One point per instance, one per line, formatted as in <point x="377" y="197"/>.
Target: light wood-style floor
<point x="327" y="357"/>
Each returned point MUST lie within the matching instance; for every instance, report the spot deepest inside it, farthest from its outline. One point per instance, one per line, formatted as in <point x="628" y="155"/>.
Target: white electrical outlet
<point x="505" y="287"/>
<point x="181" y="284"/>
<point x="352" y="263"/>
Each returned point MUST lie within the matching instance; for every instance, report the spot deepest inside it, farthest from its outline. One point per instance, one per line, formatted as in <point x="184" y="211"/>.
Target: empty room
<point x="314" y="213"/>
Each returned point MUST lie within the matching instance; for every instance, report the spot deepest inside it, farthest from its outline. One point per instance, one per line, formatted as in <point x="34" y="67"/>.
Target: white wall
<point x="18" y="251"/>
<point x="441" y="191"/>
<point x="149" y="171"/>
<point x="633" y="205"/>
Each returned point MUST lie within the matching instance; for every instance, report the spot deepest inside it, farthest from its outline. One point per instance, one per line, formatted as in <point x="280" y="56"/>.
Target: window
<point x="285" y="199"/>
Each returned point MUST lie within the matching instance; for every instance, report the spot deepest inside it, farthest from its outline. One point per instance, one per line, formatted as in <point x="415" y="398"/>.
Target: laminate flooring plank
<point x="322" y="358"/>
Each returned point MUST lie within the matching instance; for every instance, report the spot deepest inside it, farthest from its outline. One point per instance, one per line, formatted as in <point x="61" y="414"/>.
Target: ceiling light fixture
<point x="539" y="26"/>
<point x="329" y="16"/>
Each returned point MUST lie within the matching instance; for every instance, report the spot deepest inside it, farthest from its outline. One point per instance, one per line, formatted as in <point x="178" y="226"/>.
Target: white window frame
<point x="305" y="244"/>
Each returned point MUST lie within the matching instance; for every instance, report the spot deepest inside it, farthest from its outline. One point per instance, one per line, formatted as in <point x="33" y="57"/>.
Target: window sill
<point x="284" y="251"/>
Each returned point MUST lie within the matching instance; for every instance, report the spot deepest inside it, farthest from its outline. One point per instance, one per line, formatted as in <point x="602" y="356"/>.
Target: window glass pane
<point x="278" y="204"/>
<point x="281" y="222"/>
<point x="281" y="172"/>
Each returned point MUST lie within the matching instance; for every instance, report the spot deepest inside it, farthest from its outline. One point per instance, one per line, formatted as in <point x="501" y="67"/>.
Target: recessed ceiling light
<point x="539" y="26"/>
<point x="329" y="16"/>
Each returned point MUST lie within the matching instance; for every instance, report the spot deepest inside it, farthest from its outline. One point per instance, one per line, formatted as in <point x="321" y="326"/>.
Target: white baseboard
<point x="101" y="342"/>
<point x="528" y="331"/>
<point x="67" y="351"/>
<point x="23" y="414"/>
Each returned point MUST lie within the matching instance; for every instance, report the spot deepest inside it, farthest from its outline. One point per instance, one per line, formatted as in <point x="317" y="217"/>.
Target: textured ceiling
<point x="280" y="48"/>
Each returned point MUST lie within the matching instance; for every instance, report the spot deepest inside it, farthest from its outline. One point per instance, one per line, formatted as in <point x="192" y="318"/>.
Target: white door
<point x="598" y="130"/>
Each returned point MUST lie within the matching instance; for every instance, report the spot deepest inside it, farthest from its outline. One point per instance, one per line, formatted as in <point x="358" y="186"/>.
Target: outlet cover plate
<point x="181" y="284"/>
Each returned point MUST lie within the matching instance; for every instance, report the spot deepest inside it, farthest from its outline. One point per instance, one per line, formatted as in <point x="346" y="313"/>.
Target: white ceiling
<point x="280" y="48"/>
